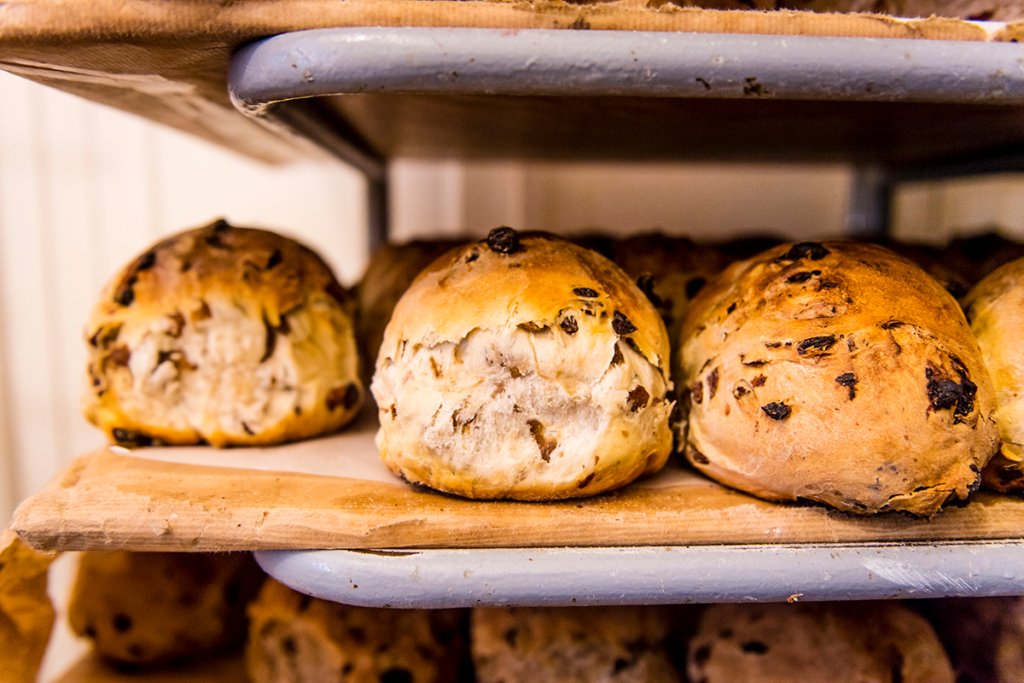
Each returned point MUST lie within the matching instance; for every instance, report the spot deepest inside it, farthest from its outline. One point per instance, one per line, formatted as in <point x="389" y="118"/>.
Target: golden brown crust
<point x="932" y="261"/>
<point x="278" y="274"/>
<point x="670" y="271"/>
<point x="148" y="608"/>
<point x="228" y="335"/>
<point x="839" y="373"/>
<point x="995" y="309"/>
<point x="465" y="281"/>
<point x="838" y="642"/>
<point x="533" y="373"/>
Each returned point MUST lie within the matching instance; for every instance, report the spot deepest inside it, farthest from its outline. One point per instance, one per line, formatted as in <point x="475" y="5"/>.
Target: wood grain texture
<point x="105" y="501"/>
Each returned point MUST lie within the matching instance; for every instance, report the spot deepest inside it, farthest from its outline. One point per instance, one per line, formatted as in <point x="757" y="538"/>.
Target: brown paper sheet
<point x="168" y="60"/>
<point x="106" y="501"/>
<point x="26" y="615"/>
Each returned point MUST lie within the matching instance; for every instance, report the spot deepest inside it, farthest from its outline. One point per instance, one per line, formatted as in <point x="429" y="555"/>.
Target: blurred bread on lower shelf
<point x="835" y="642"/>
<point x="294" y="638"/>
<point x="26" y="614"/>
<point x="151" y="608"/>
<point x="984" y="637"/>
<point x="226" y="668"/>
<point x="573" y="645"/>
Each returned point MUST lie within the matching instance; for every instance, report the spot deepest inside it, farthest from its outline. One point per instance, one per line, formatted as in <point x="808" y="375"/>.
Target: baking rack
<point x="897" y="110"/>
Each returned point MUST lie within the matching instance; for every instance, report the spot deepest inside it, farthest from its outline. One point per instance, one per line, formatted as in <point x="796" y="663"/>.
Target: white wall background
<point x="83" y="189"/>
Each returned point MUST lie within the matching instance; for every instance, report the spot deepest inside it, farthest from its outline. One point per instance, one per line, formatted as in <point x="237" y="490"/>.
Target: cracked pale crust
<point x="496" y="380"/>
<point x="995" y="309"/>
<point x="880" y="321"/>
<point x="226" y="335"/>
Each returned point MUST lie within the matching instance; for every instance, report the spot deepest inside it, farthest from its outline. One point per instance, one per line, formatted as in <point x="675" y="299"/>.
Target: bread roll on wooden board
<point x="995" y="309"/>
<point x="838" y="373"/>
<point x="523" y="367"/>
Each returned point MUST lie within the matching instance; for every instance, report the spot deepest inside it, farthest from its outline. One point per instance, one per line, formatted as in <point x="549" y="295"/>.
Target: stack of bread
<point x="529" y="367"/>
<point x="525" y="366"/>
<point x="294" y="638"/>
<point x="220" y="335"/>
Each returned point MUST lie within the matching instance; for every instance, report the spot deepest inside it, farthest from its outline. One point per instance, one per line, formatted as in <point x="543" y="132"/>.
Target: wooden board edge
<point x="103" y="502"/>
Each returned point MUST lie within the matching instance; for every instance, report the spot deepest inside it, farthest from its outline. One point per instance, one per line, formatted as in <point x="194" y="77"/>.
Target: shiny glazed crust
<point x="537" y="374"/>
<point x="227" y="335"/>
<point x="838" y="373"/>
<point x="839" y="642"/>
<point x="995" y="309"/>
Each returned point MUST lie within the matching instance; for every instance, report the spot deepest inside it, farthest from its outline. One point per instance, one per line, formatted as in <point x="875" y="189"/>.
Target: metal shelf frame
<point x="283" y="82"/>
<point x="277" y="80"/>
<point x="651" y="575"/>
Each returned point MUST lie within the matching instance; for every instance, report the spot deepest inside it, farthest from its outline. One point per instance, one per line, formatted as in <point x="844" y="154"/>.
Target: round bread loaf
<point x="838" y="373"/>
<point x="876" y="642"/>
<point x="299" y="639"/>
<point x="523" y="367"/>
<point x="391" y="270"/>
<point x="995" y="309"/>
<point x="226" y="335"/>
<point x="148" y="608"/>
<point x="572" y="645"/>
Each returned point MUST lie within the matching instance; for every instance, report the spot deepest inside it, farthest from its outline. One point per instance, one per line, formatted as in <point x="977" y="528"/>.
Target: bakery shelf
<point x="654" y="575"/>
<point x="899" y="108"/>
<point x="443" y="92"/>
<point x="676" y="536"/>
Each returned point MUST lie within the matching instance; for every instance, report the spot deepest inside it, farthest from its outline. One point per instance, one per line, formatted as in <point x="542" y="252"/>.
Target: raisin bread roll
<point x="572" y="645"/>
<point x="150" y="608"/>
<point x="838" y="373"/>
<point x="836" y="642"/>
<point x="995" y="309"/>
<point x="670" y="271"/>
<point x="294" y="638"/>
<point x="526" y="368"/>
<point x="226" y="335"/>
<point x="391" y="270"/>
